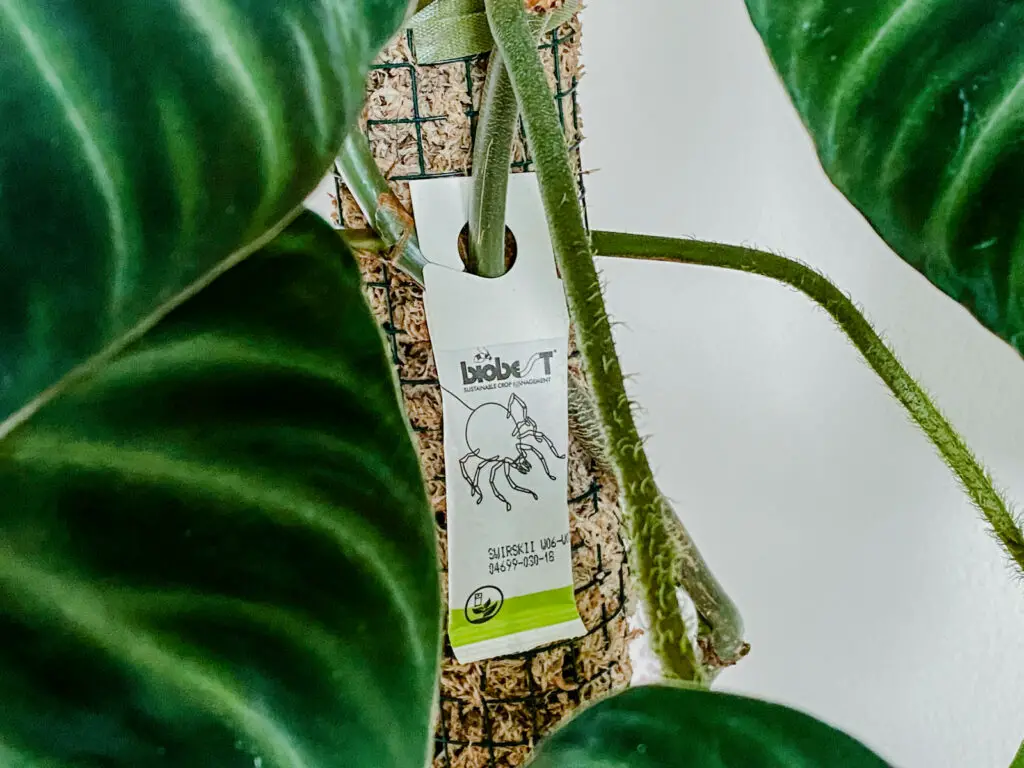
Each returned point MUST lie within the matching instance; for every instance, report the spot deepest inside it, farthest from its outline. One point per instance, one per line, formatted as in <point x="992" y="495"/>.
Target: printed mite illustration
<point x="502" y="438"/>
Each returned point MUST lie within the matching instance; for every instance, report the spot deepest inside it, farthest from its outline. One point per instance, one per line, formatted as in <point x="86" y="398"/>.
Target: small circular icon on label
<point x="484" y="604"/>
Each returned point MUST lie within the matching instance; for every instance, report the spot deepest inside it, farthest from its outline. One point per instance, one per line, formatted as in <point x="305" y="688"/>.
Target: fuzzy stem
<point x="974" y="479"/>
<point x="655" y="562"/>
<point x="492" y="156"/>
<point x="585" y="422"/>
<point x="721" y="628"/>
<point x="383" y="211"/>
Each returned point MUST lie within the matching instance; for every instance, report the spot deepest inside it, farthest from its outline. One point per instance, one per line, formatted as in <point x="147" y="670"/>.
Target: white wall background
<point x="873" y="597"/>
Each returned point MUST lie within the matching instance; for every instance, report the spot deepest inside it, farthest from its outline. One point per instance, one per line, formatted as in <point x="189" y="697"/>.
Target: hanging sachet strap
<point x="457" y="29"/>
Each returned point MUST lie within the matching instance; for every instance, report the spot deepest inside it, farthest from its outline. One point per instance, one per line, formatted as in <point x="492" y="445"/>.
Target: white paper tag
<point x="501" y="349"/>
<point x="325" y="200"/>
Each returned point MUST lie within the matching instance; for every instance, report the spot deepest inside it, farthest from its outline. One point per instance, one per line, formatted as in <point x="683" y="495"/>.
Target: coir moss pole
<point x="420" y="121"/>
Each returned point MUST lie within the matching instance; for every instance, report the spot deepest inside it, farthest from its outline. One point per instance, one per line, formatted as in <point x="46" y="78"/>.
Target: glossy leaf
<point x="145" y="143"/>
<point x="665" y="727"/>
<point x="217" y="551"/>
<point x="917" y="110"/>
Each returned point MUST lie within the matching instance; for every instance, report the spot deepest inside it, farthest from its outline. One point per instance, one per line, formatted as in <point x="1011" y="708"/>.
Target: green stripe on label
<point x="515" y="615"/>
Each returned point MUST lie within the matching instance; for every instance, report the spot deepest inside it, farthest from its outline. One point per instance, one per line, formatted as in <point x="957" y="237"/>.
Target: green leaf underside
<point x="917" y="108"/>
<point x="217" y="550"/>
<point x="144" y="143"/>
<point x="668" y="727"/>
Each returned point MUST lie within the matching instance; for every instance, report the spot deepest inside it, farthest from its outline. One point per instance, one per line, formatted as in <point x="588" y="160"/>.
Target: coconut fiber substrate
<point x="420" y="122"/>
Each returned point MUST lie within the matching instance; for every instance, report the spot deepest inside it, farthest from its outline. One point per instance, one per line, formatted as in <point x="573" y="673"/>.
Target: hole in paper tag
<point x="511" y="248"/>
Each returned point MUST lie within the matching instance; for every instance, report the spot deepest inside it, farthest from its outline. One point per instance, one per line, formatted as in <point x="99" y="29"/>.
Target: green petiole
<point x="655" y="562"/>
<point x="973" y="477"/>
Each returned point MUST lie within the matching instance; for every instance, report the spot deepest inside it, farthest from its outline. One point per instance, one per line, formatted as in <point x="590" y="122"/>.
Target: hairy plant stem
<point x="383" y="211"/>
<point x="655" y="562"/>
<point x="492" y="157"/>
<point x="720" y="633"/>
<point x="974" y="479"/>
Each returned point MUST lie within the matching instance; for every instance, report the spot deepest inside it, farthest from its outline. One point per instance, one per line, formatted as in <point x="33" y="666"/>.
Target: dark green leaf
<point x="917" y="109"/>
<point x="144" y="143"/>
<point x="663" y="727"/>
<point x="217" y="550"/>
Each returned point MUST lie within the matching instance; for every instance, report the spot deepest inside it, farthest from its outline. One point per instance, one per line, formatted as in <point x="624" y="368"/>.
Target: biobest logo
<point x="487" y="368"/>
